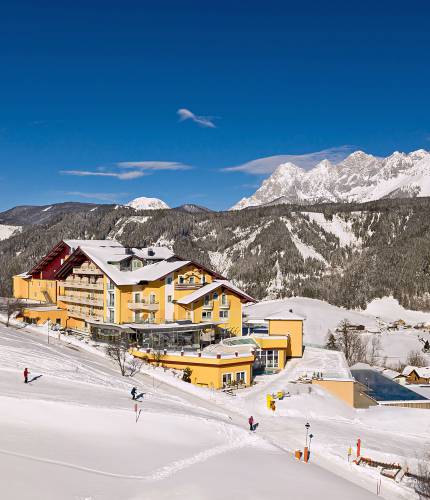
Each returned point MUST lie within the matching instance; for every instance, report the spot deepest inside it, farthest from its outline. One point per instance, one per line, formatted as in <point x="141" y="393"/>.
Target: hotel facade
<point x="185" y="312"/>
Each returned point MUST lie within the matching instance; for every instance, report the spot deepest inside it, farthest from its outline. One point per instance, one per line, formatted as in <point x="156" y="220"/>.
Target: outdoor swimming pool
<point x="383" y="389"/>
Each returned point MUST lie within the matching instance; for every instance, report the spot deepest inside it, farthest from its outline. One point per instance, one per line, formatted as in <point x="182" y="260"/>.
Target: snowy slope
<point x="359" y="177"/>
<point x="322" y="317"/>
<point x="72" y="434"/>
<point x="7" y="231"/>
<point x="144" y="203"/>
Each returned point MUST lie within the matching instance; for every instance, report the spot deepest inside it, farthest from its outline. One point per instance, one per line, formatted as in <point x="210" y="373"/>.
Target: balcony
<point x="75" y="299"/>
<point x="208" y="305"/>
<point x="80" y="285"/>
<point x="225" y="304"/>
<point x="144" y="305"/>
<point x="188" y="286"/>
<point x="87" y="270"/>
<point x="86" y="316"/>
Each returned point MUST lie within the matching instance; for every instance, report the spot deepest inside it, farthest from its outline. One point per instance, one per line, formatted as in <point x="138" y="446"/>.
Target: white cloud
<point x="268" y="164"/>
<point x="203" y="121"/>
<point x="154" y="165"/>
<point x="124" y="176"/>
<point x="97" y="196"/>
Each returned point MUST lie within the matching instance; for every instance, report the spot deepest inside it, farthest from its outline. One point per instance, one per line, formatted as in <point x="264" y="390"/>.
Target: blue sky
<point x="96" y="87"/>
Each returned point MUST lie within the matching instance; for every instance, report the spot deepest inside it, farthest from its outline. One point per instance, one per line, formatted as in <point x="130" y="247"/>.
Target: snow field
<point x="68" y="435"/>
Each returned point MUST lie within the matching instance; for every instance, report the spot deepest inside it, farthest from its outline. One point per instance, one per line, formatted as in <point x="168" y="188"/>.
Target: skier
<point x="133" y="393"/>
<point x="251" y="423"/>
<point x="26" y="374"/>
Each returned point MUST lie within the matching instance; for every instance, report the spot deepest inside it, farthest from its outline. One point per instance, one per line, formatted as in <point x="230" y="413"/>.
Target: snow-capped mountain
<point x="144" y="203"/>
<point x="358" y="178"/>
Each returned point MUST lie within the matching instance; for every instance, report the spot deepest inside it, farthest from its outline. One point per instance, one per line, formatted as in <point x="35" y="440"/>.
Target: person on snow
<point x="251" y="423"/>
<point x="133" y="393"/>
<point x="26" y="374"/>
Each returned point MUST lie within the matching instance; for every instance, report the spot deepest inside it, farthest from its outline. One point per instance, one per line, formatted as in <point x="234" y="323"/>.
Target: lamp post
<point x="307" y="426"/>
<point x="310" y="439"/>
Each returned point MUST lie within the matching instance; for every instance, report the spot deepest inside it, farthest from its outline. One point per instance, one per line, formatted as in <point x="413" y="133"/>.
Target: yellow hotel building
<point x="179" y="309"/>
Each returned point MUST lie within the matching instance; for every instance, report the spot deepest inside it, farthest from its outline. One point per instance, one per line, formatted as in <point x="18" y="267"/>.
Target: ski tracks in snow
<point x="158" y="474"/>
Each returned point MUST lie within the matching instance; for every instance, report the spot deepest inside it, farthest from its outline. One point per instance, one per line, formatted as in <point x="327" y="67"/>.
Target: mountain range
<point x="358" y="178"/>
<point x="346" y="253"/>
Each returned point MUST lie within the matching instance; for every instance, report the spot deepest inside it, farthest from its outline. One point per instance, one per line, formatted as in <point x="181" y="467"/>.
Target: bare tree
<point x="415" y="358"/>
<point x="11" y="307"/>
<point x="373" y="350"/>
<point x="422" y="486"/>
<point x="350" y="343"/>
<point x="119" y="353"/>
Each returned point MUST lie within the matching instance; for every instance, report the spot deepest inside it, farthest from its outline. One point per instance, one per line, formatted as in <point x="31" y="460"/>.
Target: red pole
<point x="358" y="447"/>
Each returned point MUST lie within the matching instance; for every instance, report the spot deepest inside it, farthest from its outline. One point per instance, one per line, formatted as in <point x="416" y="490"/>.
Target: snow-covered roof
<point x="104" y="257"/>
<point x="285" y="316"/>
<point x="24" y="276"/>
<point x="330" y="364"/>
<point x="154" y="253"/>
<point x="229" y="349"/>
<point x="201" y="292"/>
<point x="92" y="243"/>
<point x="391" y="374"/>
<point x="423" y="372"/>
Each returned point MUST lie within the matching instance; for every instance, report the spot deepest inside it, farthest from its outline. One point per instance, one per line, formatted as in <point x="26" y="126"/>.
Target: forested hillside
<point x="346" y="254"/>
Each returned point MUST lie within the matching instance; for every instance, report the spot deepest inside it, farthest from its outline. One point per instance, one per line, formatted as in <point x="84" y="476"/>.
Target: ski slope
<point x="72" y="433"/>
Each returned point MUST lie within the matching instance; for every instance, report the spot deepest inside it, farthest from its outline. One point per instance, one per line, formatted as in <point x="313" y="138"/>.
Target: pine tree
<point x="331" y="342"/>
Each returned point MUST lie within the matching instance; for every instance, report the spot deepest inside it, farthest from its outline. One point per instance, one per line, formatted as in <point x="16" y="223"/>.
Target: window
<point x="181" y="280"/>
<point x="110" y="285"/>
<point x="152" y="317"/>
<point x="169" y="280"/>
<point x="203" y="279"/>
<point x="223" y="314"/>
<point x="224" y="299"/>
<point x="137" y="298"/>
<point x="207" y="299"/>
<point x="191" y="280"/>
<point x="169" y="298"/>
<point x="226" y="379"/>
<point x="136" y="264"/>
<point x="152" y="298"/>
<point x="270" y="358"/>
<point x="111" y="316"/>
<point x="215" y="295"/>
<point x="241" y="377"/>
<point x="111" y="300"/>
<point x="207" y="315"/>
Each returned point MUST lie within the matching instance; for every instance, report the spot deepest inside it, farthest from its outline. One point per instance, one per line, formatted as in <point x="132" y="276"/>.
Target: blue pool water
<point x="383" y="389"/>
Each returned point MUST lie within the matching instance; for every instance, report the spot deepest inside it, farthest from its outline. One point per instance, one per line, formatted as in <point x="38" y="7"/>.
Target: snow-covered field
<point x="72" y="434"/>
<point x="320" y="317"/>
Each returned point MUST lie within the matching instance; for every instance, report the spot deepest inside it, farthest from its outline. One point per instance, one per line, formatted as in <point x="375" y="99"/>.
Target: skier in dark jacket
<point x="133" y="393"/>
<point x="26" y="374"/>
<point x="251" y="423"/>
